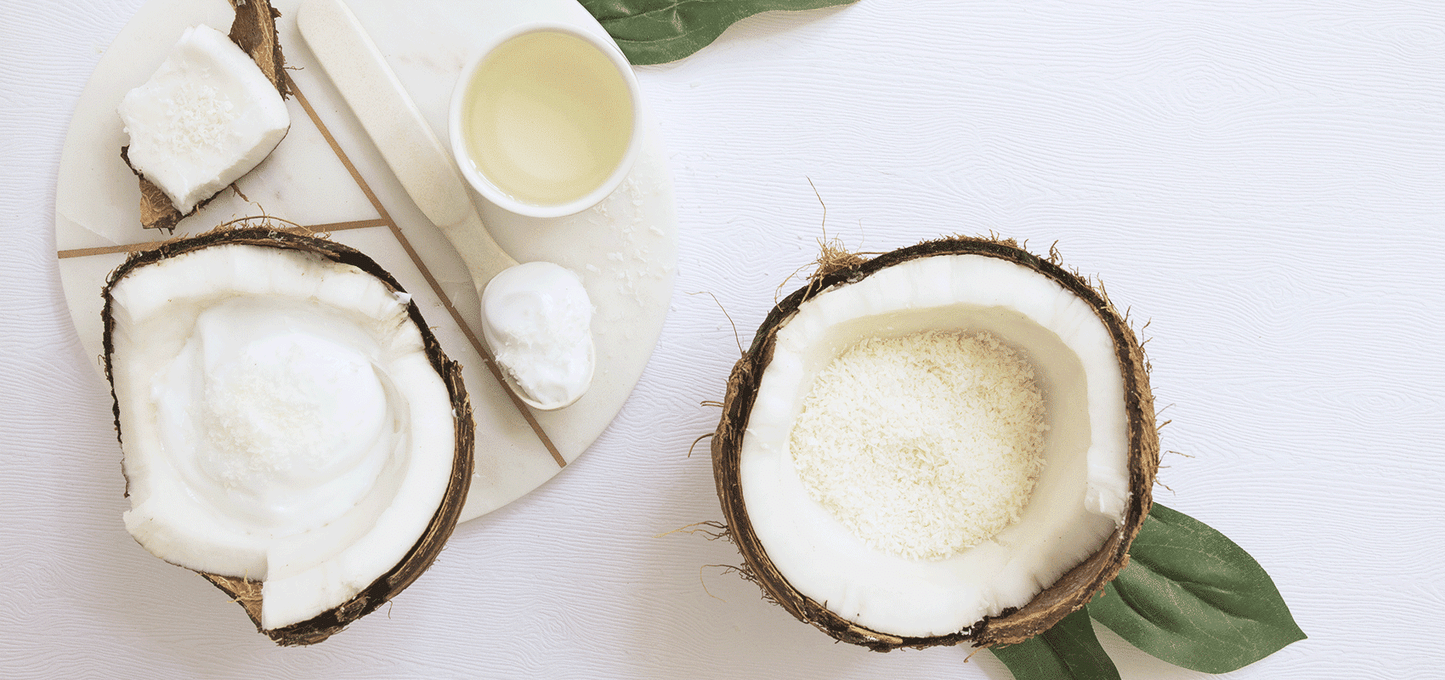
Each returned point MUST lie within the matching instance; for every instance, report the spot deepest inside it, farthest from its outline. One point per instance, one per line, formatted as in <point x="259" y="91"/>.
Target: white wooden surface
<point x="1263" y="181"/>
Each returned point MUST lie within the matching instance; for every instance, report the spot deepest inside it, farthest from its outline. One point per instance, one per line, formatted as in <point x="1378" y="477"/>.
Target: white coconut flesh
<point x="205" y="118"/>
<point x="280" y="422"/>
<point x="1077" y="499"/>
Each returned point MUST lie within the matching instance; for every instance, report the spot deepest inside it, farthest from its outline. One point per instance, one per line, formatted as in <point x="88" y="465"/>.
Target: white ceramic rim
<point x="490" y="191"/>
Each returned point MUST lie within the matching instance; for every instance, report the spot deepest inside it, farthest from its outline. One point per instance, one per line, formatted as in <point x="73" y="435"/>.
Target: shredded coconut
<point x="262" y="421"/>
<point x="922" y="445"/>
<point x="198" y="121"/>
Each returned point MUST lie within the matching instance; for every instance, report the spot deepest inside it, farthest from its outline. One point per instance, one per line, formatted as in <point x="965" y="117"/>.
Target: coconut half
<point x="290" y="427"/>
<point x="1100" y="450"/>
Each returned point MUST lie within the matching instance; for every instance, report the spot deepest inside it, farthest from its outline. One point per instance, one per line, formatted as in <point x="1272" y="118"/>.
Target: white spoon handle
<point x="407" y="144"/>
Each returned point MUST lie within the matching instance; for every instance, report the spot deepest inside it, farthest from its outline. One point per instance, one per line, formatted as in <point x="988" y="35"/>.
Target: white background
<point x="1263" y="182"/>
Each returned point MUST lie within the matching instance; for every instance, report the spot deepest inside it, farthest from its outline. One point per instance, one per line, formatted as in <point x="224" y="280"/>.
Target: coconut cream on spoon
<point x="537" y="321"/>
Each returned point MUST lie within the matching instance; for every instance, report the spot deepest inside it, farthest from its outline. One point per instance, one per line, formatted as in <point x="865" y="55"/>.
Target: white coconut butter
<point x="281" y="421"/>
<point x="206" y="117"/>
<point x="281" y="413"/>
<point x="537" y="318"/>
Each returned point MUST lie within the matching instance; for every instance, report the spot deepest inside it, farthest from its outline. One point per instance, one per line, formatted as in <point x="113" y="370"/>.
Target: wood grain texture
<point x="1261" y="182"/>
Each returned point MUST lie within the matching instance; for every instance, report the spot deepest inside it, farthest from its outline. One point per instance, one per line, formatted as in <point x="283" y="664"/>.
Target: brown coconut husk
<point x="254" y="31"/>
<point x="429" y="546"/>
<point x="1070" y="592"/>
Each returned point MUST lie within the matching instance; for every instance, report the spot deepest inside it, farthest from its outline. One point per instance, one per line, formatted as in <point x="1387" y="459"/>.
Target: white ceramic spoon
<point x="423" y="166"/>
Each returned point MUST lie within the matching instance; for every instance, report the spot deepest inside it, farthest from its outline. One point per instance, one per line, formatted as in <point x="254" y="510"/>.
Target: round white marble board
<point x="327" y="175"/>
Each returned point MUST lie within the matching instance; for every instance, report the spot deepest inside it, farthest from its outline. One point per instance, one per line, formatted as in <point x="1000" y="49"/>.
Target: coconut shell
<point x="254" y="31"/>
<point x="429" y="546"/>
<point x="1071" y="591"/>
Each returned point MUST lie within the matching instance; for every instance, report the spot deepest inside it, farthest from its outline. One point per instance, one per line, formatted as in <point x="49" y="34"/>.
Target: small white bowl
<point x="552" y="127"/>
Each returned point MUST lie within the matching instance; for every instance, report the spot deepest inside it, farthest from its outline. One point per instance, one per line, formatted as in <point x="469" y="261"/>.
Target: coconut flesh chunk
<point x="1080" y="496"/>
<point x="281" y="422"/>
<point x="204" y="119"/>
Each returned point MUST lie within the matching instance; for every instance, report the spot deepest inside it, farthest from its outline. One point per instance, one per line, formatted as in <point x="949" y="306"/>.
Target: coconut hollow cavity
<point x="291" y="428"/>
<point x="1100" y="449"/>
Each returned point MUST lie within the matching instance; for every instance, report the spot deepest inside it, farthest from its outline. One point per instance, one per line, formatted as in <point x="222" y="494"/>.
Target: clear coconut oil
<point x="548" y="118"/>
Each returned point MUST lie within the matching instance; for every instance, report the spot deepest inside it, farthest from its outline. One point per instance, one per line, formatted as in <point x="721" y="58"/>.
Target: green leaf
<point x="1192" y="597"/>
<point x="1068" y="651"/>
<point x="657" y="31"/>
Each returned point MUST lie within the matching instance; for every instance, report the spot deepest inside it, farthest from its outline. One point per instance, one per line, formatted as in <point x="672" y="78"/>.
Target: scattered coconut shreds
<point x="922" y="445"/>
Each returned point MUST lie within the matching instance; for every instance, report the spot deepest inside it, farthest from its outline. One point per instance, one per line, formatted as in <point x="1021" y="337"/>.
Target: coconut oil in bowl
<point x="544" y="122"/>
